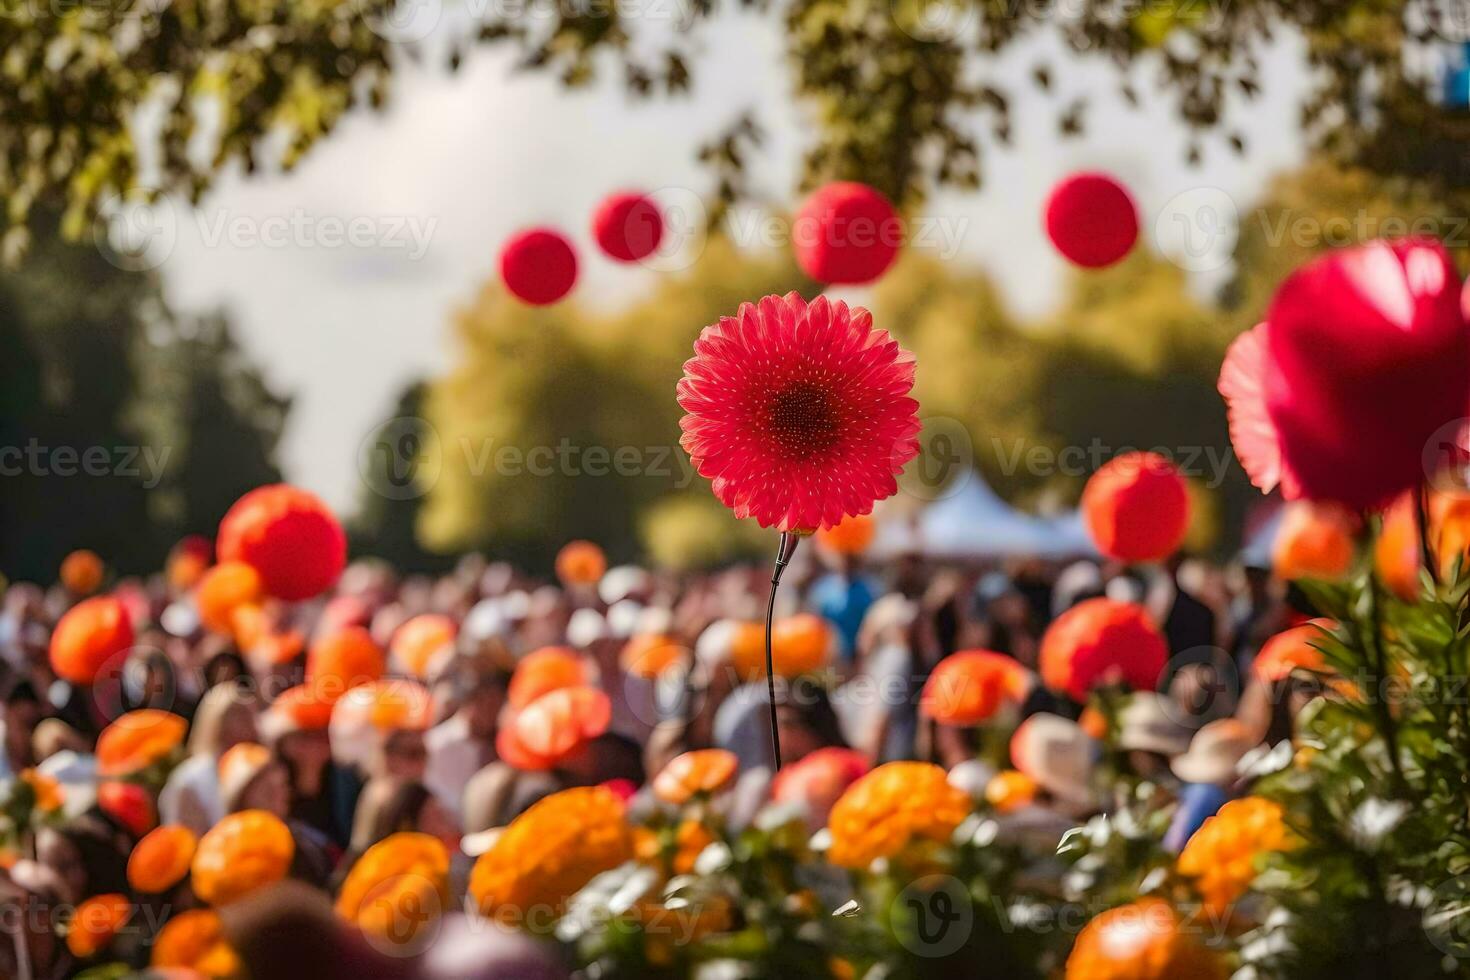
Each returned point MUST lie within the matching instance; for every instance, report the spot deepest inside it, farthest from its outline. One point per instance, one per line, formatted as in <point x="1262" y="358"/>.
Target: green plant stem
<point x="783" y="558"/>
<point x="1385" y="716"/>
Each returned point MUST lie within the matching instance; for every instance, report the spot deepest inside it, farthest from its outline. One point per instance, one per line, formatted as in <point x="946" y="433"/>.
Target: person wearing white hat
<point x="1210" y="770"/>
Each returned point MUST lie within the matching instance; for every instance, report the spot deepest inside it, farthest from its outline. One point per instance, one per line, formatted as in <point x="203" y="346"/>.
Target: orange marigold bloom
<point x="556" y="723"/>
<point x="1010" y="790"/>
<point x="420" y="645"/>
<point x="1292" y="649"/>
<point x="223" y="589"/>
<point x="48" y="791"/>
<point x="1145" y="940"/>
<point x="800" y="644"/>
<point x="1315" y="541"/>
<point x="969" y="687"/>
<point x="1221" y="856"/>
<point x="398" y="886"/>
<point x="138" y="739"/>
<point x="243" y="852"/>
<point x="691" y="839"/>
<point x="302" y="708"/>
<point x="548" y="853"/>
<point x="88" y="636"/>
<point x="196" y="941"/>
<point x="161" y="859"/>
<point x="700" y="771"/>
<point x="95" y="922"/>
<point x="81" y="572"/>
<point x="580" y="563"/>
<point x="851" y="536"/>
<point x="650" y="654"/>
<point x="894" y="804"/>
<point x="342" y="660"/>
<point x="545" y="670"/>
<point x="1396" y="552"/>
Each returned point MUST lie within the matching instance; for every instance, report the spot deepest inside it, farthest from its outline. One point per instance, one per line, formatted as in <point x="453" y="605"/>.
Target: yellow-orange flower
<point x="1292" y="649"/>
<point x="1396" y="552"/>
<point x="691" y="839"/>
<point x="545" y="670"/>
<point x="1222" y="855"/>
<point x="1145" y="940"/>
<point x="223" y="589"/>
<point x="580" y="563"/>
<point x="95" y="922"/>
<point x="47" y="790"/>
<point x="138" y="739"/>
<point x="196" y="941"/>
<point x="800" y="644"/>
<point x="1010" y="790"/>
<point x="850" y="536"/>
<point x="81" y="572"/>
<point x="243" y="852"/>
<point x="161" y="859"/>
<point x="399" y="886"/>
<point x="548" y="853"/>
<point x="421" y="645"/>
<point x="700" y="771"/>
<point x="899" y="802"/>
<point x="1315" y="541"/>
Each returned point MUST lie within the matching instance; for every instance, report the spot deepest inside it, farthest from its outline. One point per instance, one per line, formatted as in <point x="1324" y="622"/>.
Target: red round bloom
<point x="1364" y="355"/>
<point x="538" y="266"/>
<point x="846" y="232"/>
<point x="289" y="536"/>
<point x="1136" y="507"/>
<point x="89" y="636"/>
<point x="1091" y="219"/>
<point x="1102" y="641"/>
<point x="800" y="415"/>
<point x="628" y="226"/>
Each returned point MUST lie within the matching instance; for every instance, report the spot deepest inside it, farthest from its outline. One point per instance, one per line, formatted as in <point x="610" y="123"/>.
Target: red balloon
<point x="1091" y="219"/>
<point x="287" y="535"/>
<point x="538" y="266"/>
<point x="1136" y="507"/>
<point x="846" y="232"/>
<point x="628" y="226"/>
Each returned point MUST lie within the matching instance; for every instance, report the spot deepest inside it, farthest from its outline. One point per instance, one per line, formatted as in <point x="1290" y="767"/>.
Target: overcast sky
<point x="429" y="188"/>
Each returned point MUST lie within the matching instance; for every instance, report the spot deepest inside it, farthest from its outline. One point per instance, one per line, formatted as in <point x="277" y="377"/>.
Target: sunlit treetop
<point x="109" y="99"/>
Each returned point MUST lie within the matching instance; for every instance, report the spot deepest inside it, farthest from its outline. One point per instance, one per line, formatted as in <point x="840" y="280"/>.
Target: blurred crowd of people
<point x="679" y="658"/>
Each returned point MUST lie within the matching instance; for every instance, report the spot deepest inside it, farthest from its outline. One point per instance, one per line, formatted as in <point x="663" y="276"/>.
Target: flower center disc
<point x="801" y="419"/>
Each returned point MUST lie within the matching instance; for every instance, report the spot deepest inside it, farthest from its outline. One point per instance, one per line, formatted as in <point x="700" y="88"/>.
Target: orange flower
<point x="137" y="740"/>
<point x="95" y="922"/>
<point x="894" y="804"/>
<point x="555" y="723"/>
<point x="969" y="687"/>
<point x="1396" y="552"/>
<point x="1315" y="541"/>
<point x="88" y="636"/>
<point x="800" y="644"/>
<point x="81" y="572"/>
<point x="398" y="886"/>
<point x="851" y="536"/>
<point x="243" y="852"/>
<point x="301" y="708"/>
<point x="580" y="563"/>
<point x="223" y="589"/>
<point x="691" y="839"/>
<point x="161" y="859"/>
<point x="1099" y="642"/>
<point x="1136" y="507"/>
<point x="1010" y="790"/>
<point x="129" y="804"/>
<point x="549" y="852"/>
<point x="420" y="645"/>
<point x="648" y="655"/>
<point x="1142" y="941"/>
<point x="1222" y="855"/>
<point x="196" y="941"/>
<point x="700" y="771"/>
<point x="342" y="660"/>
<point x="47" y="790"/>
<point x="187" y="562"/>
<point x="240" y="759"/>
<point x="1292" y="649"/>
<point x="545" y="670"/>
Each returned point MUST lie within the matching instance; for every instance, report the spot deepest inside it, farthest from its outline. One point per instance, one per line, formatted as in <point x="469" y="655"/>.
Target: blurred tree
<point x="125" y="426"/>
<point x="109" y="100"/>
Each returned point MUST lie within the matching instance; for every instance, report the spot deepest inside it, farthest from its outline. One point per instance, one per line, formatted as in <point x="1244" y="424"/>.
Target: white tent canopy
<point x="970" y="521"/>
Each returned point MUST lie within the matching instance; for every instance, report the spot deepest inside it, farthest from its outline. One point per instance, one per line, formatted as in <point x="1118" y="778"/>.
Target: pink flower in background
<point x="1364" y="355"/>
<point x="799" y="414"/>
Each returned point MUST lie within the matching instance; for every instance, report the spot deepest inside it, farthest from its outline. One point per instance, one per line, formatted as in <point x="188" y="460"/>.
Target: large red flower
<point x="1363" y="356"/>
<point x="799" y="414"/>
